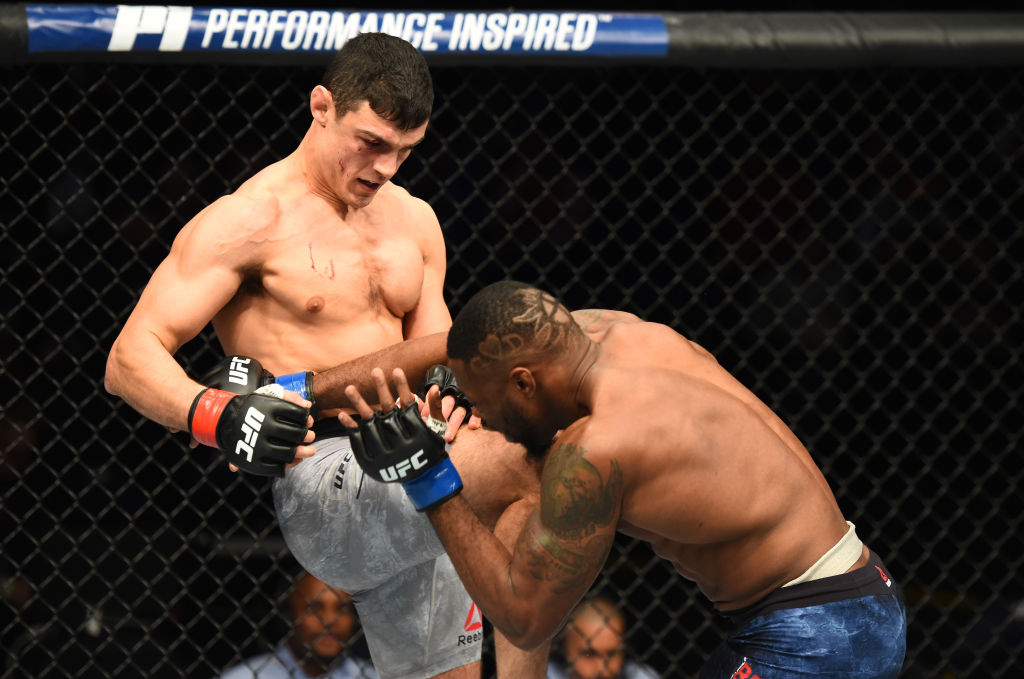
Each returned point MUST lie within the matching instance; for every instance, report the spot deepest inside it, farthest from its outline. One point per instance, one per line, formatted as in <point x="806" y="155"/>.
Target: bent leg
<point x="366" y="538"/>
<point x="421" y="623"/>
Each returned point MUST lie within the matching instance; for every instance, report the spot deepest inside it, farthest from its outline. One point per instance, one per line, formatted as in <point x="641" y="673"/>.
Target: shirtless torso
<point x="319" y="288"/>
<point x="315" y="260"/>
<point x="642" y="432"/>
<point x="712" y="478"/>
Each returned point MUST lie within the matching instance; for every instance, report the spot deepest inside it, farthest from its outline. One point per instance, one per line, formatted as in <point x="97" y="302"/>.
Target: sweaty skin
<point x="315" y="260"/>
<point x="659" y="442"/>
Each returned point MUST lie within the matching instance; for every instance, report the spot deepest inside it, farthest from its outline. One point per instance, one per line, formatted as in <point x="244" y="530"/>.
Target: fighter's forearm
<point x="484" y="566"/>
<point x="513" y="662"/>
<point x="148" y="379"/>
<point x="414" y="356"/>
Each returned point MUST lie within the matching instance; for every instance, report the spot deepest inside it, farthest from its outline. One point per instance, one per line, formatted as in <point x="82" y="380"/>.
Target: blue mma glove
<point x="399" y="447"/>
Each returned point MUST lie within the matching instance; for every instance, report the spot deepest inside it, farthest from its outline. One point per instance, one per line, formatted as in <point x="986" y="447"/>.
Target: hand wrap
<point x="256" y="433"/>
<point x="398" y="447"/>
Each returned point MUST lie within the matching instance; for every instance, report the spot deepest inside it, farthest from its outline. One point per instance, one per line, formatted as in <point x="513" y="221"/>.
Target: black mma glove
<point x="244" y="375"/>
<point x="400" y="447"/>
<point x="442" y="376"/>
<point x="257" y="433"/>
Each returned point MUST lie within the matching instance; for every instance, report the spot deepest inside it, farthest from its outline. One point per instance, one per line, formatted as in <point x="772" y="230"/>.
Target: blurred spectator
<point x="593" y="645"/>
<point x="323" y="620"/>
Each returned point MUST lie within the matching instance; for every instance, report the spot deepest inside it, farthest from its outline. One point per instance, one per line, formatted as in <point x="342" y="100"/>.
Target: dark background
<point x="848" y="243"/>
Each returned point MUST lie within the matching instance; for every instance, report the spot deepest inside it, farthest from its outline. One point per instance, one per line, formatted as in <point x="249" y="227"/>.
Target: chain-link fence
<point x="848" y="243"/>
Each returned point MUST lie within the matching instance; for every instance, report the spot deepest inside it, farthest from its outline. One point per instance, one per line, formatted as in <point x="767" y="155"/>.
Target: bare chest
<point x="324" y="274"/>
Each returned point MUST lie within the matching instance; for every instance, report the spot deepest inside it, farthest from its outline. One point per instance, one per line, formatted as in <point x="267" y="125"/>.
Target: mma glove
<point x="443" y="377"/>
<point x="399" y="447"/>
<point x="257" y="433"/>
<point x="244" y="375"/>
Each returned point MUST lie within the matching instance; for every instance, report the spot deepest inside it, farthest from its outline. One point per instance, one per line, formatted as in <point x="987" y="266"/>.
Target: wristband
<point x="300" y="383"/>
<point x="434" y="486"/>
<point x="205" y="413"/>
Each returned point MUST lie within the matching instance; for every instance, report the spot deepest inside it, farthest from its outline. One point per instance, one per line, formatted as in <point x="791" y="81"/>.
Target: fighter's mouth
<point x="373" y="186"/>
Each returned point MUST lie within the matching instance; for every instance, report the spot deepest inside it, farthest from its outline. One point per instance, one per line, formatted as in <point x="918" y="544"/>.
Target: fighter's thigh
<point x="345" y="528"/>
<point x="421" y="623"/>
<point x="495" y="473"/>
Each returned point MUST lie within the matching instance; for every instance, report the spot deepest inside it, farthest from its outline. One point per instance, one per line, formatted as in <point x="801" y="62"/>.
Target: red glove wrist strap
<point x="206" y="413"/>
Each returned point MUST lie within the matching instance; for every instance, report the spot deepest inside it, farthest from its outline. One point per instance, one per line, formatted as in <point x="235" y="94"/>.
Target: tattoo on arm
<point x="575" y="529"/>
<point x="578" y="500"/>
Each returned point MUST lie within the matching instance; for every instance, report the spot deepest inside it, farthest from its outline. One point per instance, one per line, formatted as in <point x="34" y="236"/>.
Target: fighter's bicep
<point x="566" y="541"/>
<point x="186" y="290"/>
<point x="184" y="298"/>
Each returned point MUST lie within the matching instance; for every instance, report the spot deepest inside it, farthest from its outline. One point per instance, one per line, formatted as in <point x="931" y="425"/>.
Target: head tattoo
<point x="510" y="321"/>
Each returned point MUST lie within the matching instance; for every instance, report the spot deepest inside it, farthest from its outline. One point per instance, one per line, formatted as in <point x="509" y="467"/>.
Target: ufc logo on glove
<point x="238" y="372"/>
<point x="398" y="471"/>
<point x="399" y="446"/>
<point x="250" y="432"/>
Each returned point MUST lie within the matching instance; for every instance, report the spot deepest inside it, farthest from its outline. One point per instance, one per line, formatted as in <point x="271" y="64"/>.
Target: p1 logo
<point x="171" y="23"/>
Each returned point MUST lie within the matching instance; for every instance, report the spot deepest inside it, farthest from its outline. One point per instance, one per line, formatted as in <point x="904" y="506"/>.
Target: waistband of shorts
<point x="835" y="561"/>
<point x="871" y="579"/>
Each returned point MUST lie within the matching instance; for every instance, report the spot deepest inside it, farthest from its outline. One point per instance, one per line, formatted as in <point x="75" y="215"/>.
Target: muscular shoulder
<point x="595" y="322"/>
<point x="416" y="213"/>
<point x="582" y="477"/>
<point x="407" y="216"/>
<point x="232" y="229"/>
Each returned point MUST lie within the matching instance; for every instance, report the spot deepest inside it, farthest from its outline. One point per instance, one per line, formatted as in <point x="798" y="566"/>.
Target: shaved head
<point x="511" y="322"/>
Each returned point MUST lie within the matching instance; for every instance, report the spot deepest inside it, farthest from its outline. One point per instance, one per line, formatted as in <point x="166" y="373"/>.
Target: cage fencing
<point x="848" y="242"/>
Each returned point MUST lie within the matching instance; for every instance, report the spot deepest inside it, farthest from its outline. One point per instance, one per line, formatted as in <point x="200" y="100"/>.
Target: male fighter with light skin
<point x="316" y="260"/>
<point x="642" y="431"/>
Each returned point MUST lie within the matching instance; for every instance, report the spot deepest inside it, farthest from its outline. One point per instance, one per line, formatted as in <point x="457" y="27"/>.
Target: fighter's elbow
<point x="532" y="635"/>
<point x="112" y="374"/>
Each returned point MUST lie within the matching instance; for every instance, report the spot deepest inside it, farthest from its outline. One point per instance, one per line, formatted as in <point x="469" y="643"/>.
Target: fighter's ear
<point x="320" y="104"/>
<point x="523" y="381"/>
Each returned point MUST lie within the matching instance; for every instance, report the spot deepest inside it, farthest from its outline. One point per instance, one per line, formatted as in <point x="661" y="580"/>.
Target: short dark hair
<point x="509" y="321"/>
<point x="385" y="71"/>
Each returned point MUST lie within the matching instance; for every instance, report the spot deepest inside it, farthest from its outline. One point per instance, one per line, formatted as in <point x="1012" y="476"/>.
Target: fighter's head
<point x="513" y="349"/>
<point x="370" y="112"/>
<point x="385" y="71"/>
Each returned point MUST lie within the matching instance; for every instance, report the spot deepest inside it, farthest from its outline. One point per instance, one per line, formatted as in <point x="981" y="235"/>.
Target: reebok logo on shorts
<point x="745" y="671"/>
<point x="474" y="624"/>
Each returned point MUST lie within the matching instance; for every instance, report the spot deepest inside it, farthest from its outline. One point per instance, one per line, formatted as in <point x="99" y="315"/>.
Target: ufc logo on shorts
<point x="745" y="672"/>
<point x="250" y="432"/>
<point x="398" y="471"/>
<point x="238" y="371"/>
<point x="169" y="22"/>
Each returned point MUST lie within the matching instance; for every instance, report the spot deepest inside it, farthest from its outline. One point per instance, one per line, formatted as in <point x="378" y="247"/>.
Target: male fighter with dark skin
<point x="640" y="431"/>
<point x="316" y="260"/>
